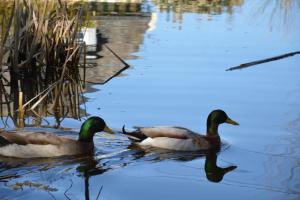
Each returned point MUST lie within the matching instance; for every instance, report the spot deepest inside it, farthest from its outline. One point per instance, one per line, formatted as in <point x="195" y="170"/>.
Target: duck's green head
<point x="215" y="118"/>
<point x="91" y="126"/>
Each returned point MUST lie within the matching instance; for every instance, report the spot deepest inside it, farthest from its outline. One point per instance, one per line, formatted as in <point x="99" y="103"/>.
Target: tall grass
<point x="39" y="60"/>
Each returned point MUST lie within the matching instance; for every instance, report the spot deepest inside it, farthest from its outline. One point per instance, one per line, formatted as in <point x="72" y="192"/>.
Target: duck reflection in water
<point x="91" y="167"/>
<point x="101" y="162"/>
<point x="213" y="172"/>
<point x="96" y="165"/>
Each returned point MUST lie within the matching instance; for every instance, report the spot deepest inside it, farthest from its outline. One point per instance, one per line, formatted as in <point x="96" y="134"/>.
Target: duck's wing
<point x="41" y="138"/>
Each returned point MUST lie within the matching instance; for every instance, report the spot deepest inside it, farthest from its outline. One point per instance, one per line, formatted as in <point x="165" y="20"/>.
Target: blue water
<point x="177" y="78"/>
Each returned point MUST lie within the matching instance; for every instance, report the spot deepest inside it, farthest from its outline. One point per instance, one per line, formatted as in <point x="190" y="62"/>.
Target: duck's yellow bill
<point x="108" y="130"/>
<point x="230" y="121"/>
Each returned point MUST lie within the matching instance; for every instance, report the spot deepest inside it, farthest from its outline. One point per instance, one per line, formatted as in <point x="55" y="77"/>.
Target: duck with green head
<point x="42" y="144"/>
<point x="178" y="138"/>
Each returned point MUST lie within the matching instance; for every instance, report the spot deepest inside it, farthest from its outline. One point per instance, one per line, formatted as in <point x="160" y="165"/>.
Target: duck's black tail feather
<point x="4" y="141"/>
<point x="136" y="135"/>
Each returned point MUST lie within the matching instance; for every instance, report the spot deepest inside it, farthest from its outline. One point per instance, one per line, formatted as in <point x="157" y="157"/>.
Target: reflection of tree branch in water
<point x="280" y="13"/>
<point x="8" y="176"/>
<point x="257" y="62"/>
<point x="100" y="190"/>
<point x="65" y="193"/>
<point x="126" y="66"/>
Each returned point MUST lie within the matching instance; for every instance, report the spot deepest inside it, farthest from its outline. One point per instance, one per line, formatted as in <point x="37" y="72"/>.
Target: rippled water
<point x="177" y="77"/>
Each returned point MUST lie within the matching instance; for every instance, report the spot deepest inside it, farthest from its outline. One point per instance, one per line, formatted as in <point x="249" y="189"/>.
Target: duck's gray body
<point x="41" y="144"/>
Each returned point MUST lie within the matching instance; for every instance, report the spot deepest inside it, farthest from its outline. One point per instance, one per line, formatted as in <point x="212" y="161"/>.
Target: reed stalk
<point x="39" y="57"/>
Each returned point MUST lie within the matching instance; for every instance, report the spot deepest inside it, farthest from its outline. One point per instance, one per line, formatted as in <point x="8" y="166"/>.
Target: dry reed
<point x="39" y="60"/>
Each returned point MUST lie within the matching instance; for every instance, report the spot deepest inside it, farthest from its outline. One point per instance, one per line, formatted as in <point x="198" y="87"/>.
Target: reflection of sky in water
<point x="178" y="78"/>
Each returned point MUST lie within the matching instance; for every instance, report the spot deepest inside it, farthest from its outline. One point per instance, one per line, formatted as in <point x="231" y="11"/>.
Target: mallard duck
<point x="43" y="144"/>
<point x="178" y="138"/>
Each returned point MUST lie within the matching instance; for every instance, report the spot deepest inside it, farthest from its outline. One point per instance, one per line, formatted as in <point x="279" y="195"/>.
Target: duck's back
<point x="43" y="138"/>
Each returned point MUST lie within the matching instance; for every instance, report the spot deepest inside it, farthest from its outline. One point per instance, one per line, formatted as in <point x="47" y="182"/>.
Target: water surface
<point x="177" y="77"/>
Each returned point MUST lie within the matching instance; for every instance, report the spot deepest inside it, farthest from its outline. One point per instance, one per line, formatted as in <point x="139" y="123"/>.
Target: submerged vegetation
<point x="40" y="60"/>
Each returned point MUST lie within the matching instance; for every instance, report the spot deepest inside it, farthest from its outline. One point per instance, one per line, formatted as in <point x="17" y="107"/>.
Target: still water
<point x="177" y="77"/>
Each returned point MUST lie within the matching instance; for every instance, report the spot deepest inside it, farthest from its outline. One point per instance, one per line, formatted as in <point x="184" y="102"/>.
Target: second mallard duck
<point x="42" y="144"/>
<point x="178" y="138"/>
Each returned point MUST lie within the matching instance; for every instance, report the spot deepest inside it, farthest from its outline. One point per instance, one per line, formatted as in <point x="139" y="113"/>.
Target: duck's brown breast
<point x="215" y="141"/>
